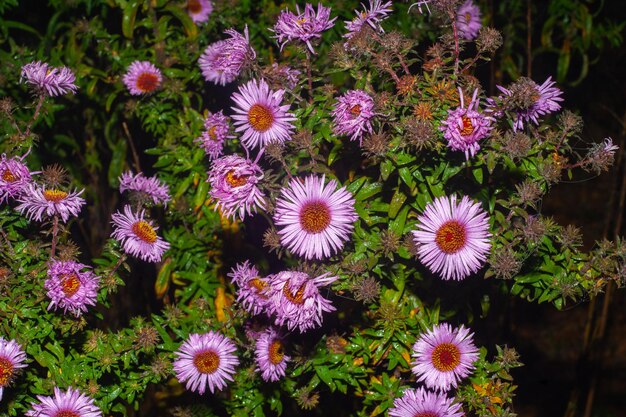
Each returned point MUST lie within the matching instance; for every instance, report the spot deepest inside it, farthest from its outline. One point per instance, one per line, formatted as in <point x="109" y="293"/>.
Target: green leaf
<point x="396" y="203"/>
<point x="128" y="19"/>
<point x="190" y="27"/>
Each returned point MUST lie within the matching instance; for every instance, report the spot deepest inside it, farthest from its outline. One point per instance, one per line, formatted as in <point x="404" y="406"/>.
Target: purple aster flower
<point x="464" y="127"/>
<point x="468" y="20"/>
<point x="530" y="101"/>
<point x="217" y="131"/>
<point x="304" y="27"/>
<point x="37" y="201"/>
<point x="206" y="358"/>
<point x="315" y="218"/>
<point x="49" y="80"/>
<point x="296" y="301"/>
<point x="234" y="186"/>
<point x="270" y="355"/>
<point x="376" y="13"/>
<point x="251" y="287"/>
<point x="69" y="288"/>
<point x="453" y="239"/>
<point x="222" y="61"/>
<point x="260" y="115"/>
<point x="443" y="356"/>
<point x="419" y="5"/>
<point x="138" y="236"/>
<point x="353" y="113"/>
<point x="151" y="187"/>
<point x="199" y="10"/>
<point x="70" y="403"/>
<point x="14" y="177"/>
<point x="12" y="359"/>
<point x="142" y="77"/>
<point x="423" y="403"/>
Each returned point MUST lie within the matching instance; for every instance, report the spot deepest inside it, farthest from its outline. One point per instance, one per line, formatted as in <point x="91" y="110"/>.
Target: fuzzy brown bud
<point x="489" y="40"/>
<point x="366" y="290"/>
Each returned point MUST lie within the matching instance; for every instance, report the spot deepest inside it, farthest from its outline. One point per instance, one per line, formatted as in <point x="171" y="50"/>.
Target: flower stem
<point x="55" y="231"/>
<point x="308" y="73"/>
<point x="42" y="96"/>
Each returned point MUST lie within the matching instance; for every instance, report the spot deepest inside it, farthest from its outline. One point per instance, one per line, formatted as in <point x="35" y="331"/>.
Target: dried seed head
<point x="173" y="314"/>
<point x="551" y="171"/>
<point x="182" y="412"/>
<point x="504" y="263"/>
<point x="419" y="134"/>
<point x="390" y="242"/>
<point x="336" y="344"/>
<point x="570" y="123"/>
<point x="528" y="192"/>
<point x="68" y="251"/>
<point x="366" y="290"/>
<point x="55" y="176"/>
<point x="571" y="237"/>
<point x="6" y="105"/>
<point x="376" y="144"/>
<point x="423" y="111"/>
<point x="146" y="338"/>
<point x="395" y="42"/>
<point x="271" y="240"/>
<point x="383" y="101"/>
<point x="356" y="267"/>
<point x="489" y="39"/>
<point x="406" y="85"/>
<point x="409" y="243"/>
<point x="523" y="95"/>
<point x="274" y="151"/>
<point x="306" y="399"/>
<point x="533" y="229"/>
<point x="516" y="144"/>
<point x="161" y="367"/>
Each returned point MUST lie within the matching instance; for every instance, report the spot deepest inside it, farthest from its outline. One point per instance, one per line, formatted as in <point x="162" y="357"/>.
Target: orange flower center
<point x="236" y="180"/>
<point x="212" y="133"/>
<point x="144" y="231"/>
<point x="260" y="118"/>
<point x="426" y="414"/>
<point x="6" y="371"/>
<point x="297" y="297"/>
<point x="194" y="6"/>
<point x="66" y="413"/>
<point x="450" y="237"/>
<point x="147" y="82"/>
<point x="301" y="21"/>
<point x="468" y="17"/>
<point x="355" y="110"/>
<point x="446" y="357"/>
<point x="468" y="127"/>
<point x="56" y="196"/>
<point x="8" y="176"/>
<point x="207" y="362"/>
<point x="70" y="284"/>
<point x="258" y="285"/>
<point x="314" y="217"/>
<point x="276" y="353"/>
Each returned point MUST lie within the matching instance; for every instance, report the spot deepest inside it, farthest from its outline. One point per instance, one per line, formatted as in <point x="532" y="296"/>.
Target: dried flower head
<point x="533" y="229"/>
<point x="489" y="40"/>
<point x="504" y="263"/>
<point x="419" y="134"/>
<point x="376" y="144"/>
<point x="389" y="242"/>
<point x="516" y="144"/>
<point x="601" y="156"/>
<point x="366" y="289"/>
<point x="306" y="398"/>
<point x="571" y="237"/>
<point x="336" y="344"/>
<point x="570" y="123"/>
<point x="271" y="240"/>
<point x="406" y="85"/>
<point x="306" y="26"/>
<point x="146" y="337"/>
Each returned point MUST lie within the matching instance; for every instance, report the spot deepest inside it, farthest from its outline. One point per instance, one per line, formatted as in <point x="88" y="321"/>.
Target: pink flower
<point x="423" y="403"/>
<point x="376" y="13"/>
<point x="217" y="131"/>
<point x="251" y="287"/>
<point x="49" y="80"/>
<point x="222" y="61"/>
<point x="468" y="20"/>
<point x="138" y="236"/>
<point x="353" y="114"/>
<point x="12" y="358"/>
<point x="69" y="288"/>
<point x="70" y="403"/>
<point x="151" y="187"/>
<point x="314" y="219"/>
<point x="304" y="27"/>
<point x="199" y="10"/>
<point x="14" y="177"/>
<point x="36" y="201"/>
<point x="142" y="77"/>
<point x="270" y="355"/>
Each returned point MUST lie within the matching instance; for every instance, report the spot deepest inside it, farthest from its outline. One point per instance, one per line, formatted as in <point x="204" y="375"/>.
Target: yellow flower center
<point x="147" y="82"/>
<point x="144" y="231"/>
<point x="260" y="118"/>
<point x="56" y="196"/>
<point x="355" y="110"/>
<point x="236" y="180"/>
<point x="301" y="21"/>
<point x="70" y="284"/>
<point x="450" y="237"/>
<point x="207" y="362"/>
<point x="296" y="298"/>
<point x="314" y="217"/>
<point x="426" y="414"/>
<point x="8" y="176"/>
<point x="194" y="6"/>
<point x="468" y="17"/>
<point x="468" y="127"/>
<point x="212" y="133"/>
<point x="446" y="357"/>
<point x="258" y="285"/>
<point x="6" y="371"/>
<point x="276" y="352"/>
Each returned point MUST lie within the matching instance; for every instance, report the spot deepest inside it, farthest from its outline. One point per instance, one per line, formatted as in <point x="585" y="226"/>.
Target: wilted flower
<point x="142" y="77"/>
<point x="152" y="187"/>
<point x="468" y="20"/>
<point x="353" y="113"/>
<point x="14" y="177"/>
<point x="530" y="101"/>
<point x="443" y="356"/>
<point x="199" y="10"/>
<point x="69" y="403"/>
<point x="453" y="239"/>
<point x="284" y="75"/>
<point x="376" y="13"/>
<point x="49" y="80"/>
<point x="261" y="116"/>
<point x="251" y="287"/>
<point x="601" y="156"/>
<point x="270" y="355"/>
<point x="217" y="131"/>
<point x="234" y="186"/>
<point x="69" y="288"/>
<point x="12" y="358"/>
<point x="314" y="219"/>
<point x="423" y="403"/>
<point x="464" y="127"/>
<point x="138" y="236"/>
<point x="296" y="301"/>
<point x="37" y="201"/>
<point x="206" y="359"/>
<point x="222" y="61"/>
<point x="305" y="27"/>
